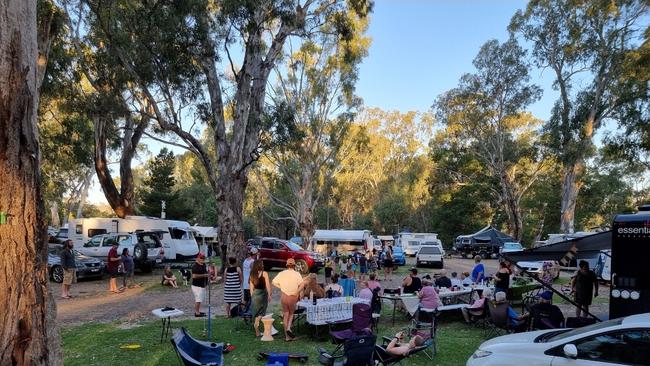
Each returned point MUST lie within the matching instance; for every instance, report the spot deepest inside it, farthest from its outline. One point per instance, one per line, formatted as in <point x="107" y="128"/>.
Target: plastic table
<point x="166" y="317"/>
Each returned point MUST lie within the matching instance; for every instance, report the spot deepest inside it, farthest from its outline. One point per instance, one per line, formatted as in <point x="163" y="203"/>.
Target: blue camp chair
<point x="193" y="352"/>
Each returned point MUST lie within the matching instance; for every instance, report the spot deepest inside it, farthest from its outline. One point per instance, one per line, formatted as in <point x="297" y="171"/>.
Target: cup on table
<point x="348" y="298"/>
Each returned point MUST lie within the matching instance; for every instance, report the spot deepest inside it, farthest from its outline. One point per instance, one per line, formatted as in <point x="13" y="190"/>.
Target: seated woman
<point x="334" y="288"/>
<point x="310" y="286"/>
<point x="477" y="308"/>
<point x="168" y="277"/>
<point x="429" y="298"/>
<point x="398" y="349"/>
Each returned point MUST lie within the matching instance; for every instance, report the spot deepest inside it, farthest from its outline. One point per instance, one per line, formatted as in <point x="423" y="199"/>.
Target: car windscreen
<point x="589" y="328"/>
<point x="293" y="246"/>
<point x="430" y="250"/>
<point x="512" y="246"/>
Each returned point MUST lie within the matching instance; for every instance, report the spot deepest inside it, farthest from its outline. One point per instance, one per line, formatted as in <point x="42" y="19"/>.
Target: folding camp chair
<point x="357" y="351"/>
<point x="385" y="358"/>
<point x="361" y="326"/>
<point x="498" y="321"/>
<point x="424" y="324"/>
<point x="192" y="352"/>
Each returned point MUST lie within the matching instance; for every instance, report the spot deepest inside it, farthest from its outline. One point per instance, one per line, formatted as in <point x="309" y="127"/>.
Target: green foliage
<point x="159" y="185"/>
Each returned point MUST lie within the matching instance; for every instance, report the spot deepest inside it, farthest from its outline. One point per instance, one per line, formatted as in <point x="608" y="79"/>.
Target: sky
<point x="420" y="49"/>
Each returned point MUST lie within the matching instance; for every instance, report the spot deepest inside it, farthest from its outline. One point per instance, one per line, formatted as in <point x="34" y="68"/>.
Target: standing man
<point x="69" y="269"/>
<point x="246" y="269"/>
<point x="288" y="281"/>
<point x="581" y="284"/>
<point x="199" y="281"/>
<point x="112" y="265"/>
<point x="478" y="273"/>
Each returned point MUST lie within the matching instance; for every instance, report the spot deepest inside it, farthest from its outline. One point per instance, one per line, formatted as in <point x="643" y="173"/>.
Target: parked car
<point x="621" y="341"/>
<point x="430" y="255"/>
<point x="87" y="267"/>
<point x="275" y="252"/>
<point x="145" y="247"/>
<point x="511" y="247"/>
<point x="399" y="258"/>
<point x="552" y="268"/>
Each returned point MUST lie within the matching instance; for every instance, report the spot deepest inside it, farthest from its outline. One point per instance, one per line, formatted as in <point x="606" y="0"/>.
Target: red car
<point x="275" y="252"/>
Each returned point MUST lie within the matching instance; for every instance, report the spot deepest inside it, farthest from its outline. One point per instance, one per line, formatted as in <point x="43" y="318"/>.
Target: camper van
<point x="411" y="242"/>
<point x="344" y="241"/>
<point x="177" y="237"/>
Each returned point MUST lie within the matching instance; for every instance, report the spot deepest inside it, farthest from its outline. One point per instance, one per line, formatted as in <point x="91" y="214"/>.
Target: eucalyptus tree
<point x="28" y="335"/>
<point x="485" y="117"/>
<point x="200" y="64"/>
<point x="584" y="44"/>
<point x="317" y="83"/>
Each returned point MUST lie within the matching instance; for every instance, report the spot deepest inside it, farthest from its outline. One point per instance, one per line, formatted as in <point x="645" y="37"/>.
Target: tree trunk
<point x="512" y="208"/>
<point x="570" y="188"/>
<point x="28" y="335"/>
<point x="230" y="207"/>
<point x="84" y="194"/>
<point x="54" y="212"/>
<point x="120" y="201"/>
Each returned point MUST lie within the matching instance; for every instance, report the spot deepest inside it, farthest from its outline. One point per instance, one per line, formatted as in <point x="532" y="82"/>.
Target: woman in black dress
<point x="582" y="283"/>
<point x="388" y="263"/>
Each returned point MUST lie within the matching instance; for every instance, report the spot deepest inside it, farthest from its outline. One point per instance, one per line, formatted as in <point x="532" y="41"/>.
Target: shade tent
<point x="586" y="247"/>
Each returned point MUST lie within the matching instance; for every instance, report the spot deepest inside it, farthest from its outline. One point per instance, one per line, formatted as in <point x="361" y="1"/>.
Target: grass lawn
<point x="99" y="344"/>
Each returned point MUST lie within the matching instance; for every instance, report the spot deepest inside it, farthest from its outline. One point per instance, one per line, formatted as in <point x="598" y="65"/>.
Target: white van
<point x="411" y="242"/>
<point x="344" y="241"/>
<point x="176" y="236"/>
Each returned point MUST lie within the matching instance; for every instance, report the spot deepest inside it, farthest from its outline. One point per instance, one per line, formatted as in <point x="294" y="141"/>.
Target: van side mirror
<point x="570" y="350"/>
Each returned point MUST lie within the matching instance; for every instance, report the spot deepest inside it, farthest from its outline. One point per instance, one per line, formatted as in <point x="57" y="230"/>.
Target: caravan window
<point x="180" y="234"/>
<point x="413" y="243"/>
<point x="95" y="232"/>
<point x="79" y="229"/>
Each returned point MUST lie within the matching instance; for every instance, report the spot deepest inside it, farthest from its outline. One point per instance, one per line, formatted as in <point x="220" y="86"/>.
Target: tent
<point x="586" y="247"/>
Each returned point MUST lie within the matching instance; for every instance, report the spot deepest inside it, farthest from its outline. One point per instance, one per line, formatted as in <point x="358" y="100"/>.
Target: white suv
<point x="430" y="255"/>
<point x="145" y="247"/>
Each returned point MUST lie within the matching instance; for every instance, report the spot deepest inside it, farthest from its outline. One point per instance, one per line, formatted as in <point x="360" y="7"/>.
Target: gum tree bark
<point x="28" y="334"/>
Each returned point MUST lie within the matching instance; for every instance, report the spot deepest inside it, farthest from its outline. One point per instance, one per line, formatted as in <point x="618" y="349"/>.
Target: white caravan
<point x="176" y="236"/>
<point x="411" y="242"/>
<point x="345" y="241"/>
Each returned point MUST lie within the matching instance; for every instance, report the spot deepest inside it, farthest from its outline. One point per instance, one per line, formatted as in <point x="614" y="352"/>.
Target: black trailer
<point x="630" y="289"/>
<point x="486" y="242"/>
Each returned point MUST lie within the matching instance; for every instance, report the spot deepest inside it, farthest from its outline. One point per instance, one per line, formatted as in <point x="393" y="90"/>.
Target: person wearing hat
<point x="288" y="281"/>
<point x="412" y="282"/>
<point x="546" y="315"/>
<point x="443" y="280"/>
<point x="112" y="264"/>
<point x="200" y="277"/>
<point x="246" y="270"/>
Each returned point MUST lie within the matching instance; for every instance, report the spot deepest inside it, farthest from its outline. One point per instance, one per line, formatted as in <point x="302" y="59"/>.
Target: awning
<point x="585" y="247"/>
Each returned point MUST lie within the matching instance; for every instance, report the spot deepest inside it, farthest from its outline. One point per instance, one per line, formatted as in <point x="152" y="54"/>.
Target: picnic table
<point x="330" y="310"/>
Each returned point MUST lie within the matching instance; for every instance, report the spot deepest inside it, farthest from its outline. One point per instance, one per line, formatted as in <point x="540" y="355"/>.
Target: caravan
<point x="344" y="241"/>
<point x="176" y="236"/>
<point x="411" y="242"/>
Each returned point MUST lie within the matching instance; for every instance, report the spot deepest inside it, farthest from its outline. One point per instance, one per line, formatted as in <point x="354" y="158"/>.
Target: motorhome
<point x="177" y="237"/>
<point x="344" y="241"/>
<point x="411" y="242"/>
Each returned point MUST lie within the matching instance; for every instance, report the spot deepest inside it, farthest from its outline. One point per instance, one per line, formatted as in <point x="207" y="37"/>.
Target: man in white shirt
<point x="246" y="269"/>
<point x="288" y="281"/>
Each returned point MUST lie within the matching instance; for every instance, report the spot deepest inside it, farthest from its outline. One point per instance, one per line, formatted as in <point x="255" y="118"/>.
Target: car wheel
<point x="417" y="263"/>
<point x="57" y="274"/>
<point x="140" y="252"/>
<point x="302" y="267"/>
<point x="442" y="263"/>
